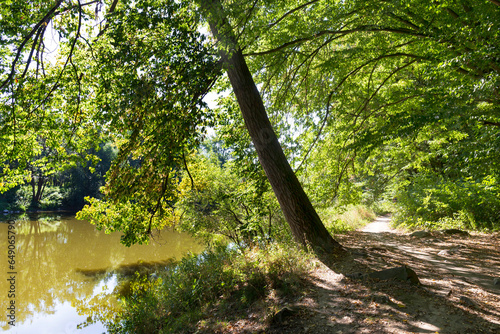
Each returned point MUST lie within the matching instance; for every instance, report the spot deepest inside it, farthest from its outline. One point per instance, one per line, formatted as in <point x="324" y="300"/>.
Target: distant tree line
<point x="61" y="190"/>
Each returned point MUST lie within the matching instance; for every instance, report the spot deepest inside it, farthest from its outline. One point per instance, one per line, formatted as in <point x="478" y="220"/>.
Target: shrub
<point x="340" y="220"/>
<point x="434" y="201"/>
<point x="216" y="203"/>
<point x="52" y="199"/>
<point x="225" y="279"/>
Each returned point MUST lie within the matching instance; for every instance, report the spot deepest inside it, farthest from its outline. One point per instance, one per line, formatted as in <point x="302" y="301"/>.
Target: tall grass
<point x="347" y="219"/>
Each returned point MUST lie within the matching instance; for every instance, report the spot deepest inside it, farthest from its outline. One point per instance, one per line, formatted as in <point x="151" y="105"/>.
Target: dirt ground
<point x="459" y="291"/>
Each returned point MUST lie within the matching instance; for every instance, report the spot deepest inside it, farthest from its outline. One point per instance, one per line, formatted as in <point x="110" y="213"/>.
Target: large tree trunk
<point x="304" y="222"/>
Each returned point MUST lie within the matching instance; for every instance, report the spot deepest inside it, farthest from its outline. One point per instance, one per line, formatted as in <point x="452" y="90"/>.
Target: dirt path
<point x="381" y="224"/>
<point x="457" y="292"/>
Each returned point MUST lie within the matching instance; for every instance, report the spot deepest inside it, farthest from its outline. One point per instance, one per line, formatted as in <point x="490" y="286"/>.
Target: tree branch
<point x="35" y="29"/>
<point x="111" y="10"/>
<point x="491" y="123"/>
<point x="328" y="103"/>
<point x="495" y="2"/>
<point x="246" y="19"/>
<point x="193" y="186"/>
<point x="452" y="13"/>
<point x="404" y="21"/>
<point x="68" y="60"/>
<point x="291" y="12"/>
<point x="338" y="32"/>
<point x="75" y="6"/>
<point x="33" y="47"/>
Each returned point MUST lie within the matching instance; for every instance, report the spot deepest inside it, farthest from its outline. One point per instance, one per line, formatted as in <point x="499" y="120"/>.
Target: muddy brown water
<point x="61" y="263"/>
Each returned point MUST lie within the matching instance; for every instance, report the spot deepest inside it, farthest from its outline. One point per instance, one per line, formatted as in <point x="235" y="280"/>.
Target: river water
<point x="60" y="263"/>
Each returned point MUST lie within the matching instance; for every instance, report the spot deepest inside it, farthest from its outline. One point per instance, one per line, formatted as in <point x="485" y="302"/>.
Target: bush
<point x="431" y="201"/>
<point x="216" y="203"/>
<point x="16" y="199"/>
<point x="341" y="220"/>
<point x="224" y="279"/>
<point x="52" y="198"/>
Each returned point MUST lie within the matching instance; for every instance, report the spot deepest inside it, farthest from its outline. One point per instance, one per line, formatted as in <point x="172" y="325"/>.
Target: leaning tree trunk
<point x="304" y="222"/>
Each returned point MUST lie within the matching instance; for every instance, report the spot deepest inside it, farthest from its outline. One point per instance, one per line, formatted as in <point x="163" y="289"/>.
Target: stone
<point x="466" y="301"/>
<point x="448" y="252"/>
<point x="454" y="231"/>
<point x="420" y="234"/>
<point x="282" y="314"/>
<point x="355" y="275"/>
<point x="402" y="273"/>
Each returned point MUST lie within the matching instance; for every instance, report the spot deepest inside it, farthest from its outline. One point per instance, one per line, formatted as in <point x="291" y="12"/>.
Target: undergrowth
<point x="349" y="219"/>
<point x="223" y="280"/>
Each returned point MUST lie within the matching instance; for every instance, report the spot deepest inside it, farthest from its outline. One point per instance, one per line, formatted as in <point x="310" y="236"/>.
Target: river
<point x="60" y="263"/>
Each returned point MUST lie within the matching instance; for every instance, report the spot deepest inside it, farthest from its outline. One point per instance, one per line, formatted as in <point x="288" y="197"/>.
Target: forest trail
<point x="458" y="291"/>
<point x="381" y="224"/>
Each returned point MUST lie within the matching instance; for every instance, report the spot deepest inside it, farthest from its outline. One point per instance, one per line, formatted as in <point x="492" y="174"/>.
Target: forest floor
<point x="459" y="290"/>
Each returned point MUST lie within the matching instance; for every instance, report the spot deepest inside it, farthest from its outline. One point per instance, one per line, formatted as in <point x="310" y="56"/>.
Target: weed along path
<point x="458" y="290"/>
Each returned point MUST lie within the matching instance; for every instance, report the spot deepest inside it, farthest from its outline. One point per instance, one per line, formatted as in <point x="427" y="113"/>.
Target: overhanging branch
<point x="491" y="123"/>
<point x="338" y="32"/>
<point x="35" y="29"/>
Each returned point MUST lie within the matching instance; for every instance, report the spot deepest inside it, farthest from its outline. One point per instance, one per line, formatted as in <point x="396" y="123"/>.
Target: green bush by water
<point x="224" y="280"/>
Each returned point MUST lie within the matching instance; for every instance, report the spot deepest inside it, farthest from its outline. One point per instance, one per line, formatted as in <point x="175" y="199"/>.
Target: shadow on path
<point x="457" y="294"/>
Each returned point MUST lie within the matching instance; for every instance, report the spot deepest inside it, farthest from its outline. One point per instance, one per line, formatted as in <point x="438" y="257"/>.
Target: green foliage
<point x="431" y="200"/>
<point x="53" y="198"/>
<point x="16" y="199"/>
<point x="378" y="91"/>
<point x="214" y="202"/>
<point x="85" y="180"/>
<point x="63" y="189"/>
<point x="347" y="218"/>
<point x="364" y="96"/>
<point x="223" y="279"/>
<point x="151" y="70"/>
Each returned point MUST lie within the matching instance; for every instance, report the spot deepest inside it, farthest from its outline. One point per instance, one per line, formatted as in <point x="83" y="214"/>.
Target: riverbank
<point x="458" y="293"/>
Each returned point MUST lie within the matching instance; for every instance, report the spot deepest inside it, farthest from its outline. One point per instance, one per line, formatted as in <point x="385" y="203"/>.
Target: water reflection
<point x="60" y="260"/>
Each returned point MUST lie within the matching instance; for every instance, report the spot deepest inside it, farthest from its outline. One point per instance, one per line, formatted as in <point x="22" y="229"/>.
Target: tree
<point x="369" y="77"/>
<point x="357" y="75"/>
<point x="296" y="206"/>
<point x="298" y="210"/>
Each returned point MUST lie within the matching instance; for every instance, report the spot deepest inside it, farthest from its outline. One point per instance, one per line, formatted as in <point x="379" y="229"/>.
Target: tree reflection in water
<point x="64" y="264"/>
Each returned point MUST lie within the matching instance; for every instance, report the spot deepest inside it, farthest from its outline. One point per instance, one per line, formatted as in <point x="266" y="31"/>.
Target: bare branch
<point x="39" y="53"/>
<point x="33" y="47"/>
<point x="113" y="6"/>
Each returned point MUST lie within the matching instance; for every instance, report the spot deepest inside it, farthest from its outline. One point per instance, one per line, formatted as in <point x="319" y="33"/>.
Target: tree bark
<point x="301" y="216"/>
